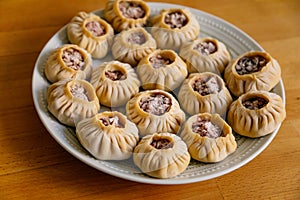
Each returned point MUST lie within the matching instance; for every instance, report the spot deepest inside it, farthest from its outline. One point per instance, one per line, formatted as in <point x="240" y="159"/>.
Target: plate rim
<point x="150" y="180"/>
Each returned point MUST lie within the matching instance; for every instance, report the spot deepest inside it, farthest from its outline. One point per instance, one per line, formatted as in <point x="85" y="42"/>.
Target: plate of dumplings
<point x="158" y="93"/>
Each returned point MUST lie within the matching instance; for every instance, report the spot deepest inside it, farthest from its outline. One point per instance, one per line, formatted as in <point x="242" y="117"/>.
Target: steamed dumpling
<point x="155" y="111"/>
<point x="68" y="61"/>
<point x="204" y="92"/>
<point x="108" y="136"/>
<point x="256" y="113"/>
<point x="208" y="137"/>
<point x="161" y="155"/>
<point x="115" y="83"/>
<point x="126" y="14"/>
<point x="205" y="55"/>
<point x="132" y="45"/>
<point x="92" y="33"/>
<point x="72" y="100"/>
<point x="174" y="27"/>
<point x="252" y="71"/>
<point x="162" y="69"/>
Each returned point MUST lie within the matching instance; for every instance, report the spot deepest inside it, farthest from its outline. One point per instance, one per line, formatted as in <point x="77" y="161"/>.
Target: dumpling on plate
<point x="92" y="33"/>
<point x="115" y="83"/>
<point x="161" y="155"/>
<point x="173" y="27"/>
<point x="68" y="61"/>
<point x="126" y="14"/>
<point x="252" y="71"/>
<point x="205" y="55"/>
<point x="72" y="100"/>
<point x="256" y="113"/>
<point x="208" y="137"/>
<point x="108" y="135"/>
<point x="155" y="111"/>
<point x="132" y="45"/>
<point x="162" y="69"/>
<point x="204" y="92"/>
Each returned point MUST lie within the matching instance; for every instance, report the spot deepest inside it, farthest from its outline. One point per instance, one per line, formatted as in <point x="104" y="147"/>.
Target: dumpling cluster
<point x="257" y="111"/>
<point x="167" y="85"/>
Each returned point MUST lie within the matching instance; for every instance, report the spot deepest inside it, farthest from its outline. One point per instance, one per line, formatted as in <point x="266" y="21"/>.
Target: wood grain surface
<point x="34" y="166"/>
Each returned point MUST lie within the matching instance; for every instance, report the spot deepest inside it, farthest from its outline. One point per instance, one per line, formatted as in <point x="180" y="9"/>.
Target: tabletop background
<point x="34" y="166"/>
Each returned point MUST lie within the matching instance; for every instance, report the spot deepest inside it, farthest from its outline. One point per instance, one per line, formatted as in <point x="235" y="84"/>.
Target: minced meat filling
<point x="137" y="38"/>
<point x="206" y="128"/>
<point x="73" y="58"/>
<point x="156" y="104"/>
<point x="115" y="75"/>
<point x="131" y="10"/>
<point x="95" y="28"/>
<point x="79" y="91"/>
<point x="176" y="20"/>
<point x="206" y="87"/>
<point x="250" y="64"/>
<point x="255" y="103"/>
<point x="112" y="121"/>
<point x="206" y="48"/>
<point x="158" y="61"/>
<point x="161" y="144"/>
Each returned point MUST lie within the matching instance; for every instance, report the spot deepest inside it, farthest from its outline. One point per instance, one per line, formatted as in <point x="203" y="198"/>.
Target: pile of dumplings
<point x="182" y="94"/>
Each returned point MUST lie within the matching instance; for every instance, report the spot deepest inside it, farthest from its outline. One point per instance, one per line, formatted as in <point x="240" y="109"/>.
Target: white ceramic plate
<point x="237" y="43"/>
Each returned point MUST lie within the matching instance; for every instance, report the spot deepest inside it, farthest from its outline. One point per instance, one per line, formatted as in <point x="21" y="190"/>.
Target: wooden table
<point x="34" y="166"/>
